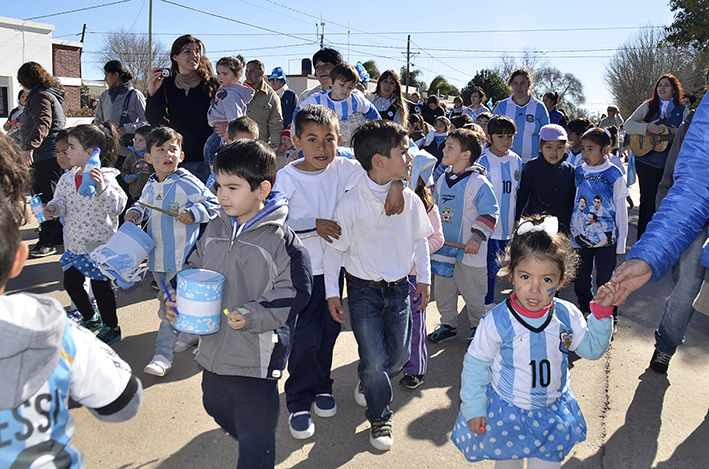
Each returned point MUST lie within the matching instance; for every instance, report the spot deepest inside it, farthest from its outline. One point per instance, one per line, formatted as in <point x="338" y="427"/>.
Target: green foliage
<point x="371" y="67"/>
<point x="690" y="26"/>
<point x="84" y="93"/>
<point x="441" y="85"/>
<point x="414" y="81"/>
<point x="494" y="86"/>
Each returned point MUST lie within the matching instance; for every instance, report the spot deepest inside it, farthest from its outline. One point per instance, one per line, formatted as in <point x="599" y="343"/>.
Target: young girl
<point x="477" y="104"/>
<point x="228" y="103"/>
<point x="415" y="369"/>
<point x="516" y="400"/>
<point x="458" y="108"/>
<point x="602" y="186"/>
<point x="89" y="222"/>
<point x="435" y="140"/>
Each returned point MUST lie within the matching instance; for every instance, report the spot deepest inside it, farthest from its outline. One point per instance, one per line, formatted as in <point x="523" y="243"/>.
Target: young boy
<point x="504" y="169"/>
<point x="378" y="253"/>
<point x="314" y="185"/>
<point x="188" y="203"/>
<point x="469" y="212"/>
<point x="136" y="170"/>
<point x="267" y="283"/>
<point x="46" y="359"/>
<point x="352" y="108"/>
<point x="575" y="129"/>
<point x="242" y="127"/>
<point x="547" y="184"/>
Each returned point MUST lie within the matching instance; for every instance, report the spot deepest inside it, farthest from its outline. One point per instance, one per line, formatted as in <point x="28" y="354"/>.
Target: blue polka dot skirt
<point x="514" y="433"/>
<point x="83" y="263"/>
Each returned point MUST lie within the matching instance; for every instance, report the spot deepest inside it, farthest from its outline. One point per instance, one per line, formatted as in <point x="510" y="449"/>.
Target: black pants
<point x="106" y="300"/>
<point x="649" y="178"/>
<point x="604" y="259"/>
<point x="45" y="175"/>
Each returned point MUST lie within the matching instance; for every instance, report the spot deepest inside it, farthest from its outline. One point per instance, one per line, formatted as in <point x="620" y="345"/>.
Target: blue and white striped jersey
<point x="528" y="119"/>
<point x="356" y="102"/>
<point x="504" y="173"/>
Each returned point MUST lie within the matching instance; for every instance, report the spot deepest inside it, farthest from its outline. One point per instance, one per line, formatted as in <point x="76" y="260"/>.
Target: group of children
<point x="384" y="223"/>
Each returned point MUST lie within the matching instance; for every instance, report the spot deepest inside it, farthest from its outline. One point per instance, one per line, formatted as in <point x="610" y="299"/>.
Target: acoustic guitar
<point x="641" y="145"/>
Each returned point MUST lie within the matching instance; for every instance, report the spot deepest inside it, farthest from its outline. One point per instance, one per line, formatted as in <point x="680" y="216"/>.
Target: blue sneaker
<point x="74" y="315"/>
<point x="325" y="405"/>
<point x="301" y="425"/>
<point x="442" y="334"/>
<point x="109" y="335"/>
<point x="93" y="324"/>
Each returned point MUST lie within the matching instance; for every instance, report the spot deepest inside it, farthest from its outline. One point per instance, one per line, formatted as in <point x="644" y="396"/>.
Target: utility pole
<point x="83" y="33"/>
<point x="150" y="39"/>
<point x="408" y="62"/>
<point x="322" y="34"/>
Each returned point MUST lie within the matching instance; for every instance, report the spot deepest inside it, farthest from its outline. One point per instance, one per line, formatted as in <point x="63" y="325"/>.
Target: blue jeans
<point x="381" y="322"/>
<point x="213" y="143"/>
<point x="494" y="247"/>
<point x="689" y="273"/>
<point x="198" y="168"/>
<point x="247" y="409"/>
<point x="167" y="334"/>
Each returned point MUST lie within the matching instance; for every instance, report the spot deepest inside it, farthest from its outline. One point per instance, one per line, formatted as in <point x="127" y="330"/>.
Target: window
<point x="4" y="111"/>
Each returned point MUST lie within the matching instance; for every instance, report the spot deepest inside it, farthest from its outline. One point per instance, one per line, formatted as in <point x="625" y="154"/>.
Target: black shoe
<point x="154" y="285"/>
<point x="40" y="250"/>
<point x="660" y="362"/>
<point x="411" y="381"/>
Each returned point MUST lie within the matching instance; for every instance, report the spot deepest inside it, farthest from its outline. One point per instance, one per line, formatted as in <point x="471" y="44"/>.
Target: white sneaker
<point x="381" y="436"/>
<point x="185" y="340"/>
<point x="359" y="395"/>
<point x="158" y="366"/>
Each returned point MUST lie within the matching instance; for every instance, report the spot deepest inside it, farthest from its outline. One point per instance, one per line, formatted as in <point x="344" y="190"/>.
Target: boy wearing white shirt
<point x="378" y="252"/>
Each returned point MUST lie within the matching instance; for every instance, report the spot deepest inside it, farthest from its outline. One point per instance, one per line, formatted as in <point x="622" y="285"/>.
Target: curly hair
<point x="31" y="74"/>
<point x="13" y="179"/>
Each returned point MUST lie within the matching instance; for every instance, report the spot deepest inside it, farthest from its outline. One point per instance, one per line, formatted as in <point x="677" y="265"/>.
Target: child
<point x="575" y="129"/>
<point x="88" y="223"/>
<point x="457" y="109"/>
<point x="422" y="174"/>
<point x="289" y="100"/>
<point x="267" y="282"/>
<point x="314" y="185"/>
<point x="228" y="103"/>
<point x="504" y="169"/>
<point x="599" y="181"/>
<point x="378" y="253"/>
<point x="352" y="109"/>
<point x="47" y="359"/>
<point x="62" y="144"/>
<point x="460" y="122"/>
<point x="469" y="212"/>
<point x="547" y="185"/>
<point x="483" y="120"/>
<point x="516" y="401"/>
<point x="436" y="139"/>
<point x="416" y="129"/>
<point x="242" y="127"/>
<point x="188" y="203"/>
<point x="136" y="170"/>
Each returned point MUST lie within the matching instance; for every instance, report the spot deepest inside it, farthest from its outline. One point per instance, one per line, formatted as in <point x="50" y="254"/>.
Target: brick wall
<point x="67" y="61"/>
<point x="72" y="98"/>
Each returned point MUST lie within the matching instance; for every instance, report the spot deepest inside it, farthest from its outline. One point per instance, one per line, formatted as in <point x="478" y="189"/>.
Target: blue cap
<point x="278" y="74"/>
<point x="552" y="133"/>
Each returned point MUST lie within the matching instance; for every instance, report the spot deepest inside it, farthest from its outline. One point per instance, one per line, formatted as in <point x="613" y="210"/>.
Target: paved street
<point x="636" y="418"/>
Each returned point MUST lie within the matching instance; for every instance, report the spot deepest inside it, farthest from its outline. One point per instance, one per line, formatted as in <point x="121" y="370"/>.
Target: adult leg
<point x="74" y="286"/>
<point x="582" y="284"/>
<point x="649" y="178"/>
<point x="45" y="175"/>
<point x="106" y="301"/>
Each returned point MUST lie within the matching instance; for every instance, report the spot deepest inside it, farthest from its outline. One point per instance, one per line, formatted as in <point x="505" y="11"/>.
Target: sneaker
<point x="301" y="425"/>
<point x="660" y="362"/>
<point x="185" y="340"/>
<point x="359" y="395"/>
<point x="74" y="315"/>
<point x="325" y="405"/>
<point x="154" y="285"/>
<point x="411" y="381"/>
<point x="158" y="366"/>
<point x="380" y="435"/>
<point x="442" y="334"/>
<point x="40" y="250"/>
<point x="472" y="333"/>
<point x="109" y="335"/>
<point x="94" y="304"/>
<point x="93" y="324"/>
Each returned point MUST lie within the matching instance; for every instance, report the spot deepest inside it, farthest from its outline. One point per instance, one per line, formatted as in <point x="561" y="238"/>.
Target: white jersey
<point x="504" y="173"/>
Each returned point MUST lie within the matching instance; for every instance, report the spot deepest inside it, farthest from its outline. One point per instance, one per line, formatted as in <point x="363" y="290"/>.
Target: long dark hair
<point x="677" y="94"/>
<point x="116" y="66"/>
<point x="204" y="69"/>
<point x="398" y="98"/>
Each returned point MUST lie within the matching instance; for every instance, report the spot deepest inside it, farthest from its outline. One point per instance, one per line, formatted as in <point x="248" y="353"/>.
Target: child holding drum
<point x="174" y="202"/>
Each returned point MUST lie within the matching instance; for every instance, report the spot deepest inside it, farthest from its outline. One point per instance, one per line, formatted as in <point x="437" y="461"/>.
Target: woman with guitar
<point x="651" y="129"/>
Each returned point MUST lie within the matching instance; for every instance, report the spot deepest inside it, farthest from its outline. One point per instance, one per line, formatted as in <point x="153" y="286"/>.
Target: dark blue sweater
<point x="547" y="189"/>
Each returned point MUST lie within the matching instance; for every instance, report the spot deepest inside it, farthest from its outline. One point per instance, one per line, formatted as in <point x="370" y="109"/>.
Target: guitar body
<point x="641" y="145"/>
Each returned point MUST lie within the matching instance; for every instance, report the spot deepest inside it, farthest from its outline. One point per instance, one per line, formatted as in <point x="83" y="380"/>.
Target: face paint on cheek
<point x="551" y="291"/>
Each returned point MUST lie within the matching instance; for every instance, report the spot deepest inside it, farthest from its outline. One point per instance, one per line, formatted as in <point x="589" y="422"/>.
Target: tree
<point x="414" y="82"/>
<point x="568" y="86"/>
<point x="371" y="67"/>
<point x="635" y="67"/>
<point x="492" y="84"/>
<point x="441" y="85"/>
<point x="690" y="26"/>
<point x="132" y="50"/>
<point x="531" y="58"/>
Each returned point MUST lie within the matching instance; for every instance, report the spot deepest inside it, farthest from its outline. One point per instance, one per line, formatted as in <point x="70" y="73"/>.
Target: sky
<point x="455" y="39"/>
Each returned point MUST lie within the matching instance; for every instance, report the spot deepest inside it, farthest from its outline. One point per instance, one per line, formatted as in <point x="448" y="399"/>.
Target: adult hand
<point x="155" y="80"/>
<point x="653" y="128"/>
<point x="630" y="276"/>
<point x="27" y="159"/>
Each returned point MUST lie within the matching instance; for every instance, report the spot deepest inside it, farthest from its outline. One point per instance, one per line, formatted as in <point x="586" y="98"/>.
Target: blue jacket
<point x="685" y="210"/>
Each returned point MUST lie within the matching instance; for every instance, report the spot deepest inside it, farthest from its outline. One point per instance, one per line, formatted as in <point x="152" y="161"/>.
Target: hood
<point x="31" y="335"/>
<point x="56" y="92"/>
<point x="275" y="211"/>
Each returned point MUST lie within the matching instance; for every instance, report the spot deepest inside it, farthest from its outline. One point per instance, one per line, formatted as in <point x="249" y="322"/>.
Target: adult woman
<point x="477" y="106"/>
<point x="388" y="100"/>
<point x="529" y="114"/>
<point x="432" y="110"/>
<point x="41" y="120"/>
<point x="121" y="104"/>
<point x="182" y="100"/>
<point x="551" y="100"/>
<point x="665" y="108"/>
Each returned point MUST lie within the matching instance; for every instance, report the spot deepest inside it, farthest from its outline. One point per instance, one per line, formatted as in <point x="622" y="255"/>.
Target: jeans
<point x="198" y="168"/>
<point x="678" y="309"/>
<point x="381" y="322"/>
<point x="167" y="334"/>
<point x="494" y="247"/>
<point x="247" y="409"/>
<point x="311" y="357"/>
<point x="605" y="264"/>
<point x="213" y="143"/>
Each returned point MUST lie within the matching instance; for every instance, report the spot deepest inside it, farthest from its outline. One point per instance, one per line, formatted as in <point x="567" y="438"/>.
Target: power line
<point x="439" y="60"/>
<point x="78" y="9"/>
<point x="274" y="12"/>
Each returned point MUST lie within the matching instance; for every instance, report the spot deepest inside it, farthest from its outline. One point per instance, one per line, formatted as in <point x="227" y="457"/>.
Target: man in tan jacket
<point x="265" y="106"/>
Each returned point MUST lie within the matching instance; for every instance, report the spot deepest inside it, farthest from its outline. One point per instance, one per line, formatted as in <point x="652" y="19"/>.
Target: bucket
<point x="199" y="301"/>
<point x="120" y="258"/>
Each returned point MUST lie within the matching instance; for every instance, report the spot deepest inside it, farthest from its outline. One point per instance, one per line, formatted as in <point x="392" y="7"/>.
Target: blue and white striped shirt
<point x="356" y="102"/>
<point x="504" y="173"/>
